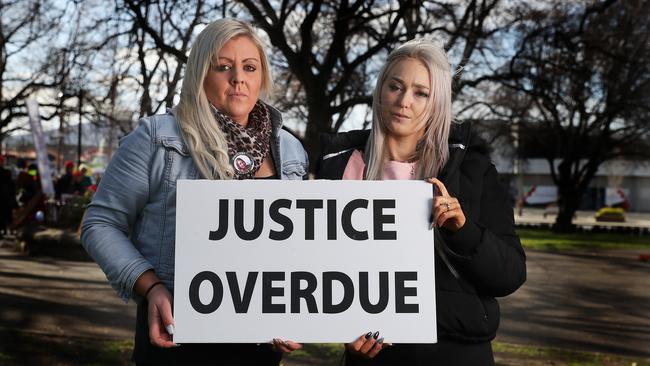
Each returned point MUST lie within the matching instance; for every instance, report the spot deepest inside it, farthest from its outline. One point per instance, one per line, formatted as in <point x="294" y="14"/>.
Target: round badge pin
<point x="242" y="163"/>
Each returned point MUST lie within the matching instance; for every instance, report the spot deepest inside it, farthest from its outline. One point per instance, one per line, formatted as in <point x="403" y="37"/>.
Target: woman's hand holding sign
<point x="367" y="345"/>
<point x="161" y="320"/>
<point x="447" y="212"/>
<point x="159" y="309"/>
<point x="280" y="345"/>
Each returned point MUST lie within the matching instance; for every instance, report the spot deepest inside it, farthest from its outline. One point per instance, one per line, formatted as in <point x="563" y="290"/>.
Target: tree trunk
<point x="318" y="122"/>
<point x="568" y="203"/>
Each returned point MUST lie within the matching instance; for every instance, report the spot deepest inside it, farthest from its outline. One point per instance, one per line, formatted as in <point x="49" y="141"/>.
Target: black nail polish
<point x="381" y="340"/>
<point x="368" y="335"/>
<point x="376" y="335"/>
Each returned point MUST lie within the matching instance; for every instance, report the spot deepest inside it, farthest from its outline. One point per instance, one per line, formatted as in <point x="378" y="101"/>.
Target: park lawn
<point x="20" y="348"/>
<point x="546" y="239"/>
<point x="506" y="354"/>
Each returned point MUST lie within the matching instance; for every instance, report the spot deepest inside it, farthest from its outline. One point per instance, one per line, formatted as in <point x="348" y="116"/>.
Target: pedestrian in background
<point x="7" y="198"/>
<point x="65" y="183"/>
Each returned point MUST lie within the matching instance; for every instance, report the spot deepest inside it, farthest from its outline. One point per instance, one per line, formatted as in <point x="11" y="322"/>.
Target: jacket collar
<point x="459" y="142"/>
<point x="276" y="119"/>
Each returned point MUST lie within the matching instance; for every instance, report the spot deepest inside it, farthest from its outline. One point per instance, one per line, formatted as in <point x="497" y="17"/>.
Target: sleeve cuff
<point x="463" y="242"/>
<point x="136" y="271"/>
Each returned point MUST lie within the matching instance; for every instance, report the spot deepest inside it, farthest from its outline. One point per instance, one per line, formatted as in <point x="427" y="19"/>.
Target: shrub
<point x="610" y="214"/>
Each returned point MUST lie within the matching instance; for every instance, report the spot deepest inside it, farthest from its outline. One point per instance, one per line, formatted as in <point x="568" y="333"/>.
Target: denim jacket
<point x="129" y="227"/>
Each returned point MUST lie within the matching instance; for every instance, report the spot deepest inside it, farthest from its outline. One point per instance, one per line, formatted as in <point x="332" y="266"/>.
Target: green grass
<point x="515" y="354"/>
<point x="316" y="354"/>
<point x="18" y="348"/>
<point x="546" y="239"/>
<point x="506" y="354"/>
<point x="36" y="349"/>
<point x="4" y="357"/>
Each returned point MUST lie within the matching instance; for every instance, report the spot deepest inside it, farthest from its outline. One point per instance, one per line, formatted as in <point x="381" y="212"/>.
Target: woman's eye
<point x="393" y="87"/>
<point x="422" y="94"/>
<point x="223" y="67"/>
<point x="250" y="68"/>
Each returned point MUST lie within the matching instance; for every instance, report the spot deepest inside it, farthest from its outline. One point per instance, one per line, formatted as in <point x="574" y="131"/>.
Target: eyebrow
<point x="416" y="85"/>
<point x="244" y="60"/>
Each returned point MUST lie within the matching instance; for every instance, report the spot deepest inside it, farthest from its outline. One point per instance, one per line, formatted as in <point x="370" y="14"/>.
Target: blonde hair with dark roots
<point x="433" y="149"/>
<point x="200" y="129"/>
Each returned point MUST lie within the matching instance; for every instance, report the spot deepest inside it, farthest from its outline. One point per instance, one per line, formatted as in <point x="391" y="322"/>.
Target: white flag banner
<point x="42" y="160"/>
<point x="308" y="261"/>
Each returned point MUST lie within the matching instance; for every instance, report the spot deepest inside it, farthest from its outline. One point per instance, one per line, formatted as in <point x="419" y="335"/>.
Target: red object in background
<point x="644" y="257"/>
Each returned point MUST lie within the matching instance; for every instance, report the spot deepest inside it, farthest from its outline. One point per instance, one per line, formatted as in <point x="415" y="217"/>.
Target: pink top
<point x="393" y="170"/>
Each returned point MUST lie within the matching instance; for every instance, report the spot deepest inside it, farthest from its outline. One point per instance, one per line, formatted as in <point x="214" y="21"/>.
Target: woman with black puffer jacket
<point x="478" y="254"/>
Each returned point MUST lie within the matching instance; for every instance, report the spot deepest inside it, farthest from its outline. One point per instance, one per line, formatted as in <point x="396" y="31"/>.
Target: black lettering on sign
<point x="346" y="219"/>
<point x="221" y="231"/>
<point x="274" y="213"/>
<point x="348" y="292"/>
<point x="401" y="292"/>
<point x="309" y="206"/>
<point x="268" y="292"/>
<point x="364" y="289"/>
<point x="217" y="292"/>
<point x="258" y="220"/>
<point x="331" y="220"/>
<point x="241" y="302"/>
<point x="379" y="219"/>
<point x="307" y="293"/>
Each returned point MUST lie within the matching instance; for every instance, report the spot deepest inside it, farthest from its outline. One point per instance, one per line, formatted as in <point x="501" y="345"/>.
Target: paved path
<point x="586" y="300"/>
<point x="595" y="301"/>
<point x="53" y="296"/>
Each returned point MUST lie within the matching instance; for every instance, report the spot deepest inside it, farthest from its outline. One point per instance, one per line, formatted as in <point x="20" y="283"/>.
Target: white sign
<point x="308" y="261"/>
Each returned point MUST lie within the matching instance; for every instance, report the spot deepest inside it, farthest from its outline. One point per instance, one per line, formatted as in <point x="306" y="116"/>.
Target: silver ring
<point x="448" y="207"/>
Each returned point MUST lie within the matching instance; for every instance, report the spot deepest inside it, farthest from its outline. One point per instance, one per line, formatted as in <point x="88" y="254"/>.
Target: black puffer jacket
<point x="481" y="261"/>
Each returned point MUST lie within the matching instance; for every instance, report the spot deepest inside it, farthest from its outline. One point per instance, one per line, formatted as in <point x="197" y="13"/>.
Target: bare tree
<point x="580" y="90"/>
<point x="134" y="57"/>
<point x="332" y="50"/>
<point x="163" y="31"/>
<point x="327" y="53"/>
<point x="28" y="63"/>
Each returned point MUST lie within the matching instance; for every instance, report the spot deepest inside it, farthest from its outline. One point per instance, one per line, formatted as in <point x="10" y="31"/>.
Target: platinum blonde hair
<point x="433" y="149"/>
<point x="206" y="141"/>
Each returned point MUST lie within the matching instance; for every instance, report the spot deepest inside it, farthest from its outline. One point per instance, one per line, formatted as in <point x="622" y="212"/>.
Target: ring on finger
<point x="448" y="206"/>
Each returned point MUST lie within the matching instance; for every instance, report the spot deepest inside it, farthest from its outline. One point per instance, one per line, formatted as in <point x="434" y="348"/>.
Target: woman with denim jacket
<point x="478" y="255"/>
<point x="219" y="130"/>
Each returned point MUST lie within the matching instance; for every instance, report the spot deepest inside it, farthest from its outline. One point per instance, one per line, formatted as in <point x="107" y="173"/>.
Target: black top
<point x="481" y="261"/>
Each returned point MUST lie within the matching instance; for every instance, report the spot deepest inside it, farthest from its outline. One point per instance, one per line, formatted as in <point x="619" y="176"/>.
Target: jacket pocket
<point x="175" y="144"/>
<point x="466" y="316"/>
<point x="178" y="162"/>
<point x="293" y="170"/>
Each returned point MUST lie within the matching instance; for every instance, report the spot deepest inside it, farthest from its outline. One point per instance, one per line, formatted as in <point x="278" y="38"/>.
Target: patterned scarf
<point x="246" y="143"/>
